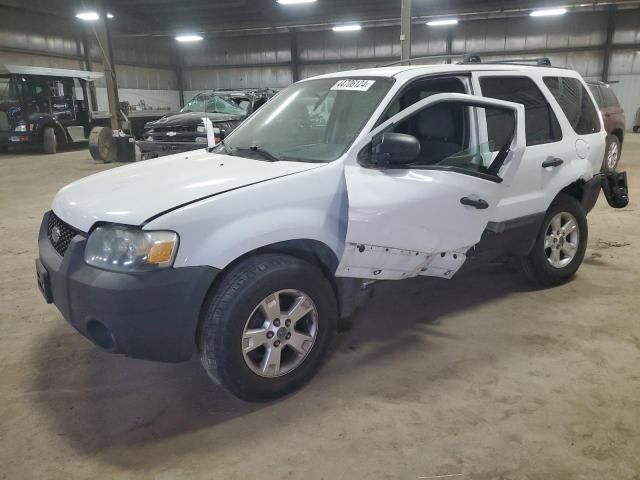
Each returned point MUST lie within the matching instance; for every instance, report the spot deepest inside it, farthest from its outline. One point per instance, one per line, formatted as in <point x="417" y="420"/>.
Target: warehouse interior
<point x="481" y="377"/>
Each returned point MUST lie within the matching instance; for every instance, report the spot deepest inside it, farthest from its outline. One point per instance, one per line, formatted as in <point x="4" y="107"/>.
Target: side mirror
<point x="394" y="149"/>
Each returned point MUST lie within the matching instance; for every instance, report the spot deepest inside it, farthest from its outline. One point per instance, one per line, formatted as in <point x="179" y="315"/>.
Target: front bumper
<point x="152" y="316"/>
<point x="159" y="149"/>
<point x="19" y="138"/>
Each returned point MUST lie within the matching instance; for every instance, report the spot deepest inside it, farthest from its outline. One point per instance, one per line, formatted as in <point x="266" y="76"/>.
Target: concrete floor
<point x="482" y="376"/>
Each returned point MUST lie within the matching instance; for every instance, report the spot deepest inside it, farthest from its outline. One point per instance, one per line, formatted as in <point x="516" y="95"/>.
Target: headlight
<point x="201" y="129"/>
<point x="201" y="139"/>
<point x="21" y="128"/>
<point x="129" y="249"/>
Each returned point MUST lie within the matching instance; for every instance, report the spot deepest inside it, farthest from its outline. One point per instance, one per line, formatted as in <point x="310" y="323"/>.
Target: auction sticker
<point x="353" y="85"/>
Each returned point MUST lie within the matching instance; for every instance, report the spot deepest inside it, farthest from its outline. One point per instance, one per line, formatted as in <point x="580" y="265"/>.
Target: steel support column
<point x="177" y="60"/>
<point x="91" y="86"/>
<point x="405" y="30"/>
<point x="608" y="46"/>
<point x="295" y="67"/>
<point x="103" y="35"/>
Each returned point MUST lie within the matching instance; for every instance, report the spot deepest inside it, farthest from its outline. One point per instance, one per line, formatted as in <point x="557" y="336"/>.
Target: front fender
<point x="216" y="231"/>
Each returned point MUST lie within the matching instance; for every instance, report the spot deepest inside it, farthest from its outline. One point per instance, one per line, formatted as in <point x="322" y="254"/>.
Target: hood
<point x="134" y="193"/>
<point x="190" y="119"/>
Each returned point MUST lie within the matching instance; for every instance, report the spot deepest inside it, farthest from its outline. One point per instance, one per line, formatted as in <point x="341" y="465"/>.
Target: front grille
<point x="60" y="234"/>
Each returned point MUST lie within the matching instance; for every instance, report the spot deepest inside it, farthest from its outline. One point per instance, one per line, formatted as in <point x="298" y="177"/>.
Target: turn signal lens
<point x="161" y="253"/>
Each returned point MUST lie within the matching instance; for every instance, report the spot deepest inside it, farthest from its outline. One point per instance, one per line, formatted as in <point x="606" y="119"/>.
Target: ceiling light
<point x="91" y="16"/>
<point x="189" y="38"/>
<point x="294" y="2"/>
<point x="88" y="16"/>
<point x="548" y="12"/>
<point x="347" y="28"/>
<point x="440" y="23"/>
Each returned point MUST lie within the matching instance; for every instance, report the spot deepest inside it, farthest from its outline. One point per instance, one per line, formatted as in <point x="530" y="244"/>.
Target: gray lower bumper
<point x="153" y="316"/>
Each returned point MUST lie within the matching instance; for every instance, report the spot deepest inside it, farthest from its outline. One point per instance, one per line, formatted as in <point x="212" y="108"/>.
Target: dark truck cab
<point x="185" y="130"/>
<point x="44" y="106"/>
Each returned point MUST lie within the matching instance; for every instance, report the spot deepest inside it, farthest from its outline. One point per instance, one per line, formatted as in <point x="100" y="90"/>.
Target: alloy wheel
<point x="612" y="155"/>
<point x="561" y="239"/>
<point x="280" y="333"/>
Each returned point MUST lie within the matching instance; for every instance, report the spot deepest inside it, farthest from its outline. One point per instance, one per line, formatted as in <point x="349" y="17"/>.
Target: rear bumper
<point x="159" y="149"/>
<point x="152" y="316"/>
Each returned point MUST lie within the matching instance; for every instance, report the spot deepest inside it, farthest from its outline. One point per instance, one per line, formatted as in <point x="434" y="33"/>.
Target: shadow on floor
<point x="97" y="401"/>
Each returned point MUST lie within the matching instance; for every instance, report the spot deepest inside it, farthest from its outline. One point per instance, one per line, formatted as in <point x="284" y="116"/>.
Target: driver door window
<point x="448" y="137"/>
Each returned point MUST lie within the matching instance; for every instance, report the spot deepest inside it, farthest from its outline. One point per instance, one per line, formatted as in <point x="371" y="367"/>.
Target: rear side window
<point x="610" y="98"/>
<point x="541" y="123"/>
<point x="595" y="90"/>
<point x="575" y="103"/>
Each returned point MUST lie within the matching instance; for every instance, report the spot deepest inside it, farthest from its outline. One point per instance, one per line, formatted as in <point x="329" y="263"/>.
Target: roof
<point x="50" y="72"/>
<point x="440" y="68"/>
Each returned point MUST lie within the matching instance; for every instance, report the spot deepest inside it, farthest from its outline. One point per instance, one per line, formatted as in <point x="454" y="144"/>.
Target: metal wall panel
<point x="45" y="34"/>
<point x="627" y="27"/>
<point x="250" y="77"/>
<point x="237" y="51"/>
<point x="323" y="46"/>
<point x="526" y="33"/>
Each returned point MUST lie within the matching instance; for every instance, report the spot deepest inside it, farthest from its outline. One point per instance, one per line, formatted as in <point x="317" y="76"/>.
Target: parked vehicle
<point x="185" y="130"/>
<point x="249" y="253"/>
<point x="636" y="122"/>
<point x="614" y="122"/>
<point x="49" y="107"/>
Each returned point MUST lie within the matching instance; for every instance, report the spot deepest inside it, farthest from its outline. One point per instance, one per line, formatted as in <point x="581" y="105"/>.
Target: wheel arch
<point x="349" y="292"/>
<point x="619" y="132"/>
<point x="586" y="192"/>
<point x="58" y="129"/>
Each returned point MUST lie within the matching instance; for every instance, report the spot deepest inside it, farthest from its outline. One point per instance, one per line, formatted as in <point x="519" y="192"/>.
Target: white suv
<point x="249" y="252"/>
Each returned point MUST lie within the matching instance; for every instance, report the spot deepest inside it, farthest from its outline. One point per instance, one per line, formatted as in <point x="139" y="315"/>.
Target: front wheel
<point x="561" y="243"/>
<point x="266" y="327"/>
<point x="49" y="141"/>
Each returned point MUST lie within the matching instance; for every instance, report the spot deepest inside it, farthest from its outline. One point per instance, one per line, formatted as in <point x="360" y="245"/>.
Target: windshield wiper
<point x="258" y="150"/>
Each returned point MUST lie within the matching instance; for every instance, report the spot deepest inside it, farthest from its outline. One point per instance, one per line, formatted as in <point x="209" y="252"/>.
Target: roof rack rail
<point x="475" y="58"/>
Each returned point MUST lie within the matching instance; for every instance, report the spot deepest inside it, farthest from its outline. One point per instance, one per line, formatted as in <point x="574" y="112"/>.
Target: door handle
<point x="552" y="162"/>
<point x="480" y="204"/>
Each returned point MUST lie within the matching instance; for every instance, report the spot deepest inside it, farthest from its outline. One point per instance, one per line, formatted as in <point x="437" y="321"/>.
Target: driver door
<point x="421" y="218"/>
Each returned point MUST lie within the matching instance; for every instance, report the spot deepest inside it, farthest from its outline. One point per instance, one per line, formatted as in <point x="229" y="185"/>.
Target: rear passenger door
<point x="581" y="117"/>
<point x="528" y="195"/>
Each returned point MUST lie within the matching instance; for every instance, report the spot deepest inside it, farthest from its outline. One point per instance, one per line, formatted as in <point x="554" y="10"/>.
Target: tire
<point x="237" y="304"/>
<point x="612" y="154"/>
<point x="538" y="265"/>
<point x="49" y="143"/>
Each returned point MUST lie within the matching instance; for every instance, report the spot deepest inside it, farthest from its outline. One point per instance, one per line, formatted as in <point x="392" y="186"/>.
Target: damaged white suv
<point x="249" y="252"/>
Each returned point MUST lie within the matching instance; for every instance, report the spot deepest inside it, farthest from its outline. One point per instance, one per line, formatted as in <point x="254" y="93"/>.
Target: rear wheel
<point x="612" y="155"/>
<point x="561" y="243"/>
<point x="267" y="326"/>
<point x="50" y="142"/>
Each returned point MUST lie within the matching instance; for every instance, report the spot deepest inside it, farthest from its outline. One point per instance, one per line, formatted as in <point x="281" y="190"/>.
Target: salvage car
<point x="186" y="131"/>
<point x="249" y="252"/>
<point x="614" y="122"/>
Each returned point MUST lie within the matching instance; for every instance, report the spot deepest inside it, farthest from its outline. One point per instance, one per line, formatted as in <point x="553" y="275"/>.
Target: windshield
<point x="311" y="121"/>
<point x="8" y="91"/>
<point x="211" y="103"/>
